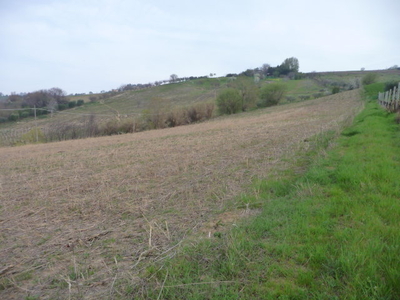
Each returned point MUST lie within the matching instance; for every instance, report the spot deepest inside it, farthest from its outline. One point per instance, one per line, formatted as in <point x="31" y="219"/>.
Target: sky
<point x="86" y="46"/>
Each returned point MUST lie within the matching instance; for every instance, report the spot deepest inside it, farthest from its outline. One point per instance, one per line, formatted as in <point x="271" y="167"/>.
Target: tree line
<point x="288" y="68"/>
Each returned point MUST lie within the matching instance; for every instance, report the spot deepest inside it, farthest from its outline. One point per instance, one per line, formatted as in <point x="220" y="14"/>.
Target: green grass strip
<point x="334" y="233"/>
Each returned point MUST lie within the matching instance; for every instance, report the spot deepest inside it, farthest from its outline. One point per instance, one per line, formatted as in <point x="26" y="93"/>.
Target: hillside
<point x="86" y="218"/>
<point x="135" y="106"/>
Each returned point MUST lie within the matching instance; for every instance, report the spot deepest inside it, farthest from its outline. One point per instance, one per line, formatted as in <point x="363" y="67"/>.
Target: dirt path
<point x="79" y="219"/>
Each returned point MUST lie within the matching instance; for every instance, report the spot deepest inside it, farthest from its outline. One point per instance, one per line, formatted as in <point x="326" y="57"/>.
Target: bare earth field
<point x="83" y="219"/>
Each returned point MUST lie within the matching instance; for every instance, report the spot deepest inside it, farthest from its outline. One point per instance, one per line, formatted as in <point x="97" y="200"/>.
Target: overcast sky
<point x="94" y="45"/>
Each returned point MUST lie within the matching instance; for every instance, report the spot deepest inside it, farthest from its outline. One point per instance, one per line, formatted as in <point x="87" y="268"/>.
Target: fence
<point x="390" y="99"/>
<point x="9" y="137"/>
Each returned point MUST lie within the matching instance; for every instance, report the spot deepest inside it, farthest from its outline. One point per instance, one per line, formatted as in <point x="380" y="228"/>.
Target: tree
<point x="248" y="73"/>
<point x="59" y="95"/>
<point x="39" y="99"/>
<point x="248" y="92"/>
<point x="229" y="101"/>
<point x="272" y="93"/>
<point x="264" y="69"/>
<point x="14" y="97"/>
<point x="289" y="65"/>
<point x="173" y="78"/>
<point x="52" y="105"/>
<point x="43" y="98"/>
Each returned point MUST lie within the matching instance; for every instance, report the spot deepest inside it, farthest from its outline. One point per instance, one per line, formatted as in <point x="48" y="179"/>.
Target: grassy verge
<point x="334" y="233"/>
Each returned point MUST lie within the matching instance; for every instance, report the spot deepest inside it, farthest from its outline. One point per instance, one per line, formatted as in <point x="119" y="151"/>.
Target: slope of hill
<point x="137" y="105"/>
<point x="84" y="218"/>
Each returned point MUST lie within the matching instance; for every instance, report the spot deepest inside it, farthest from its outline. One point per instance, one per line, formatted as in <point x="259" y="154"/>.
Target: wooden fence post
<point x="390" y="99"/>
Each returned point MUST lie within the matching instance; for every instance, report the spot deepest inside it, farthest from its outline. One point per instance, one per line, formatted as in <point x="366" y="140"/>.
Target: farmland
<point x="87" y="218"/>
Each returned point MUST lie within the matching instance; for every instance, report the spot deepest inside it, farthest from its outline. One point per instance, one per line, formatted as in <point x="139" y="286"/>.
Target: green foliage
<point x="335" y="90"/>
<point x="290" y="65"/>
<point x="80" y="102"/>
<point x="13" y="117"/>
<point x="390" y="85"/>
<point x="290" y="99"/>
<point x="62" y="106"/>
<point x="71" y="104"/>
<point x="369" y="78"/>
<point x="374" y="89"/>
<point x="24" y="114"/>
<point x="229" y="101"/>
<point x="299" y="76"/>
<point x="318" y="95"/>
<point x="33" y="136"/>
<point x="248" y="91"/>
<point x="271" y="94"/>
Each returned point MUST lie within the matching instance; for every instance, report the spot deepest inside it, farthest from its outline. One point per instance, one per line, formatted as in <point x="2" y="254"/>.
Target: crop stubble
<point x="78" y="215"/>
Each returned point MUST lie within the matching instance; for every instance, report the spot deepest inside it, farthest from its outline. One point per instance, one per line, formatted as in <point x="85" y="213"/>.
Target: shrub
<point x="91" y="126"/>
<point x="193" y="114"/>
<point x="71" y="104"/>
<point x="209" y="110"/>
<point x="304" y="97"/>
<point x="247" y="90"/>
<point x="229" y="101"/>
<point x="290" y="98"/>
<point x="390" y="85"/>
<point x="335" y="90"/>
<point x="128" y="126"/>
<point x="80" y="102"/>
<point x="25" y="114"/>
<point x="35" y="135"/>
<point x="110" y="128"/>
<point x="318" y="95"/>
<point x="272" y="94"/>
<point x="13" y="117"/>
<point x="171" y="119"/>
<point x="64" y="131"/>
<point x="62" y="106"/>
<point x="369" y="78"/>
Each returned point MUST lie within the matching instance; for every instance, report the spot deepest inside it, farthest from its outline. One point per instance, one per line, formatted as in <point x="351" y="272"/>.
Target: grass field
<point x="93" y="218"/>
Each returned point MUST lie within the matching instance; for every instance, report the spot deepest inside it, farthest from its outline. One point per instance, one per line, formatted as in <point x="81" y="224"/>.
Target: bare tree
<point x="39" y="98"/>
<point x="14" y="97"/>
<point x="173" y="78"/>
<point x="264" y="69"/>
<point x="58" y="94"/>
